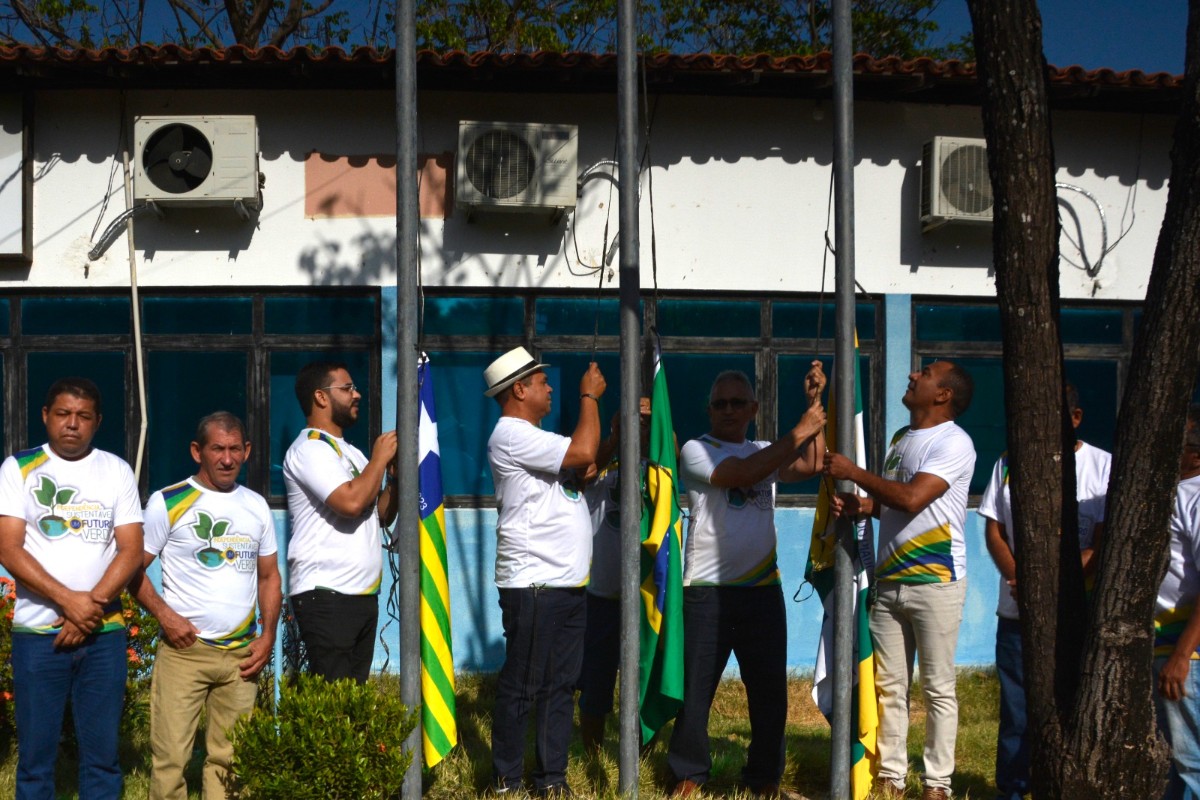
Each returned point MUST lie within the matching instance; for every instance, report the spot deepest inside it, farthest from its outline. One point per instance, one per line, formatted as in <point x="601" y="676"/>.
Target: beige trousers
<point x="185" y="681"/>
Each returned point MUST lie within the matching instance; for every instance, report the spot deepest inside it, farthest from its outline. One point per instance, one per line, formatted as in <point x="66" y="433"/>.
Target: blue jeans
<point x="1012" y="745"/>
<point x="543" y="651"/>
<point x="1179" y="722"/>
<point x="751" y="623"/>
<point x="93" y="677"/>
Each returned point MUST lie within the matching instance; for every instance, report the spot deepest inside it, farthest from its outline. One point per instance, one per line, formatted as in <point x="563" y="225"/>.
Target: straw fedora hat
<point x="508" y="369"/>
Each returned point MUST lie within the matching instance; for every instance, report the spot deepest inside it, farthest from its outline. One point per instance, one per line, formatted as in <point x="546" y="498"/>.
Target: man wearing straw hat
<point x="543" y="553"/>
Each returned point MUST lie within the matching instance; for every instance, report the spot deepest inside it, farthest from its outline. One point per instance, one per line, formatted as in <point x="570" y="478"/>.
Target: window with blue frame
<point x="203" y="352"/>
<point x="772" y="340"/>
<point x="1097" y="344"/>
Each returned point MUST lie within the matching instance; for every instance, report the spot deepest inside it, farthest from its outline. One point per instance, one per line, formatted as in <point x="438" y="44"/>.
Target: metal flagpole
<point x="844" y="375"/>
<point x="407" y="533"/>
<point x="630" y="450"/>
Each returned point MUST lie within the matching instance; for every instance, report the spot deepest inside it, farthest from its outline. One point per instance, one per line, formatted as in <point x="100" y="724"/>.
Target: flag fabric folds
<point x="661" y="662"/>
<point x="819" y="572"/>
<point x="438" y="727"/>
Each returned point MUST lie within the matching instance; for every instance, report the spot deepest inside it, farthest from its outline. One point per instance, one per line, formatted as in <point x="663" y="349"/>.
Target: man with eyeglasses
<point x="732" y="596"/>
<point x="337" y="501"/>
<point x="921" y="570"/>
<point x="1177" y="626"/>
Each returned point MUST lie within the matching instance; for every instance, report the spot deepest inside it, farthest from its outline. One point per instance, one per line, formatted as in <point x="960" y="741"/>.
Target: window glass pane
<point x="958" y="323"/>
<point x="708" y="318"/>
<point x="226" y="315"/>
<point x="793" y="404"/>
<point x="689" y="379"/>
<point x="4" y="317"/>
<point x="984" y="420"/>
<point x="474" y="316"/>
<point x="799" y="320"/>
<point x="3" y="409"/>
<point x="74" y="315"/>
<point x="1091" y="326"/>
<point x="560" y="316"/>
<point x="182" y="387"/>
<point x="349" y="316"/>
<point x="287" y="420"/>
<point x="107" y="370"/>
<point x="1096" y="382"/>
<point x="465" y="421"/>
<point x="564" y="374"/>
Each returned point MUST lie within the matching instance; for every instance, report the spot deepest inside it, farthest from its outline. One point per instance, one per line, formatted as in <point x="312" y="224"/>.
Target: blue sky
<point x="1120" y="34"/>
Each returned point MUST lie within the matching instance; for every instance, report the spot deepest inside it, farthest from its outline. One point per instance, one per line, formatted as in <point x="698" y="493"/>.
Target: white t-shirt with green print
<point x="208" y="543"/>
<point x="70" y="509"/>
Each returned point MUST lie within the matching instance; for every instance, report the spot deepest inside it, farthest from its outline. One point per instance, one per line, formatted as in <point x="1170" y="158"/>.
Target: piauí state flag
<point x="661" y="672"/>
<point x="864" y="755"/>
<point x="438" y="727"/>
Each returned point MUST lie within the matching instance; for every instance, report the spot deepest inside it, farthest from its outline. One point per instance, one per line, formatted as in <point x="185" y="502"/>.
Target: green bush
<point x="328" y="741"/>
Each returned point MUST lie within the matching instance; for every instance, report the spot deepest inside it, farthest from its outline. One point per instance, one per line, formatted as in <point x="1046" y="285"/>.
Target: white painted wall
<point x="740" y="192"/>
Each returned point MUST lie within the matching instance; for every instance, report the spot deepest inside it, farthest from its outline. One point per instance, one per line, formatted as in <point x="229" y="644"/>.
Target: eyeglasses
<point x="349" y="387"/>
<point x="736" y="403"/>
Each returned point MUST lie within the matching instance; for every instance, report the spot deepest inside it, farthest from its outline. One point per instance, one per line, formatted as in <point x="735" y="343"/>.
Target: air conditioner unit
<point x="516" y="167"/>
<point x="196" y="161"/>
<point x="955" y="184"/>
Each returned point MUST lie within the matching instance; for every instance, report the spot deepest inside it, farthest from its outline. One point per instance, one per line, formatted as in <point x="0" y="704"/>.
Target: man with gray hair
<point x="732" y="597"/>
<point x="216" y="539"/>
<point x="543" y="553"/>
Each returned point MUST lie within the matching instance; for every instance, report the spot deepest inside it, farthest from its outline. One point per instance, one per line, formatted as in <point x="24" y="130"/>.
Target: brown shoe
<point x="935" y="793"/>
<point x="685" y="788"/>
<point x="886" y="790"/>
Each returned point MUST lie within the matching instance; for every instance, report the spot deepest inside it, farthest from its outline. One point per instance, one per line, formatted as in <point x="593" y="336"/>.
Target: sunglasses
<point x="736" y="403"/>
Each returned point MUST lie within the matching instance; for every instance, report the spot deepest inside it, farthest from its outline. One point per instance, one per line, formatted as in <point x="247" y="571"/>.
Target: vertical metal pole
<point x="407" y="218"/>
<point x="845" y="376"/>
<point x="630" y="452"/>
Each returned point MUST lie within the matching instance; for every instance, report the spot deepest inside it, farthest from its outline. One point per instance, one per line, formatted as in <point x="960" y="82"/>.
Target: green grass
<point x="467" y="771"/>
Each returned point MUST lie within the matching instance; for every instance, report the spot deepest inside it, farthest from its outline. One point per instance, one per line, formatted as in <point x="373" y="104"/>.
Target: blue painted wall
<point x="479" y="638"/>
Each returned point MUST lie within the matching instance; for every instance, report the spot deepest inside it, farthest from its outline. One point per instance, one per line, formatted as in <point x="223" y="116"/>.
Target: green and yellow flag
<point x="439" y="729"/>
<point x="661" y="670"/>
<point x="864" y="755"/>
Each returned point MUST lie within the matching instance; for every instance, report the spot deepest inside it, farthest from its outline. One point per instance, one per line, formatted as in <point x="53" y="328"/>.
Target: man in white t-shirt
<point x="732" y="595"/>
<point x="337" y="501"/>
<point x="217" y="544"/>
<point x="543" y="550"/>
<point x="921" y="570"/>
<point x="71" y="537"/>
<point x="1177" y="626"/>
<point x="1091" y="490"/>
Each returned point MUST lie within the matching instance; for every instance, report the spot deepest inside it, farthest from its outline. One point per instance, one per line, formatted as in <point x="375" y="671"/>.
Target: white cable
<point x="139" y="361"/>
<point x="1092" y="270"/>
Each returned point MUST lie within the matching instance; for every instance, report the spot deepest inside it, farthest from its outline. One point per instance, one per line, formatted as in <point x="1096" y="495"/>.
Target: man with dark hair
<point x="543" y="551"/>
<point x="1177" y="626"/>
<point x="71" y="536"/>
<point x="336" y="503"/>
<point x="732" y="595"/>
<point x="1091" y="489"/>
<point x="217" y="543"/>
<point x="921" y="502"/>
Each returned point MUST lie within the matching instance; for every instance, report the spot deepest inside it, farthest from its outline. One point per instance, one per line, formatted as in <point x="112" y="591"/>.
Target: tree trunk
<point x="1088" y="681"/>
<point x="1016" y="121"/>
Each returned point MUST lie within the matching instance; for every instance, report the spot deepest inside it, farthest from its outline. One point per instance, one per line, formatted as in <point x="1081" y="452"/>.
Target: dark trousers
<point x="1012" y="745"/>
<point x="601" y="654"/>
<point x="751" y="623"/>
<point x="543" y="632"/>
<point x="338" y="631"/>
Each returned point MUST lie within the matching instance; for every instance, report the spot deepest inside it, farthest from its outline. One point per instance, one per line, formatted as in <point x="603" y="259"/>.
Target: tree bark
<point x="1088" y="680"/>
<point x="1016" y="121"/>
